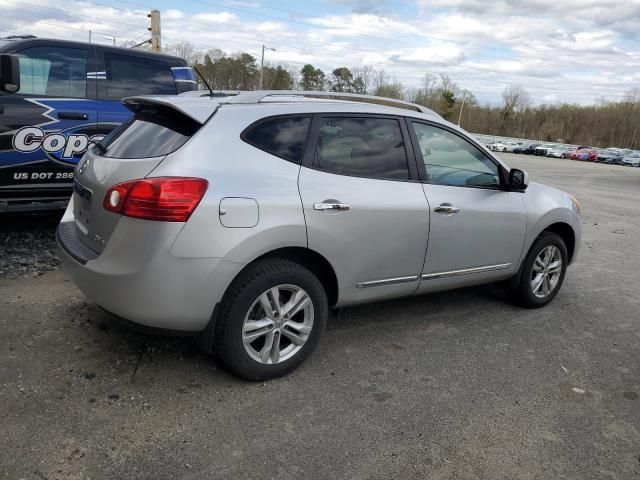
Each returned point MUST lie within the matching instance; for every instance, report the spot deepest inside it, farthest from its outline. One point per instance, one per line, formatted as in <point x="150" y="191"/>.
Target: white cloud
<point x="560" y="50"/>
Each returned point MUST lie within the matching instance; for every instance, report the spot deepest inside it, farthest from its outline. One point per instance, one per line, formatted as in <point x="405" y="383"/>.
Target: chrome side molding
<point x="431" y="276"/>
<point x="387" y="281"/>
<point x="465" y="271"/>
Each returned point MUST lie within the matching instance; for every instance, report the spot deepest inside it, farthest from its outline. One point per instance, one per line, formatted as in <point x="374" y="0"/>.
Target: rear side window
<point x="53" y="71"/>
<point x="367" y="147"/>
<point x="152" y="132"/>
<point x="128" y="75"/>
<point x="284" y="137"/>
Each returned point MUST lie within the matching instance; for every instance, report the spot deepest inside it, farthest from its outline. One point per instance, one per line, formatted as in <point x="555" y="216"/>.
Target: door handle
<point x="335" y="206"/>
<point x="446" y="209"/>
<point x="73" y="116"/>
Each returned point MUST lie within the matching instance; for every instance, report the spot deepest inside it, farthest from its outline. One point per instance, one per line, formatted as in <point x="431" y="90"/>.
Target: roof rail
<point x="248" y="97"/>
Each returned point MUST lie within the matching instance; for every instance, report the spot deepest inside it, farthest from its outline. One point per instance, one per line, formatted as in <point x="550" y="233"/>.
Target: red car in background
<point x="585" y="154"/>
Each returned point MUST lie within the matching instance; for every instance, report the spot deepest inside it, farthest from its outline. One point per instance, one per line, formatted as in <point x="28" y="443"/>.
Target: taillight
<point x="169" y="199"/>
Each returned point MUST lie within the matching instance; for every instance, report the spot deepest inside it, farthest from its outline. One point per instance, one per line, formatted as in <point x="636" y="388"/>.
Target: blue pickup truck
<point x="70" y="93"/>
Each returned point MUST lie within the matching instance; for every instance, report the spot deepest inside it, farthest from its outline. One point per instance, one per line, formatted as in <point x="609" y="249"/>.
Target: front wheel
<point x="542" y="273"/>
<point x="270" y="319"/>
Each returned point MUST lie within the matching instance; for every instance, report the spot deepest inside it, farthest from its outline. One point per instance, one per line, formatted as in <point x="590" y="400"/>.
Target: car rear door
<point x="46" y="127"/>
<point x="477" y="227"/>
<point x="364" y="207"/>
<point x="125" y="75"/>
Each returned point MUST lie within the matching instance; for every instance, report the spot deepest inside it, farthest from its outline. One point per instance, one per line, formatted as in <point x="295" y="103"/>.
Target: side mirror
<point x="9" y="73"/>
<point x="518" y="179"/>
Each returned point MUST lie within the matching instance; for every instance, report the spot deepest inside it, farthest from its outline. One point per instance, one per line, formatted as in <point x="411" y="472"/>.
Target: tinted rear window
<point x="368" y="147"/>
<point x="152" y="132"/>
<point x="283" y="137"/>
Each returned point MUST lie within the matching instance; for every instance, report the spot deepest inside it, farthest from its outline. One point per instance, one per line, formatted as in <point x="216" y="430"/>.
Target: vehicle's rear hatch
<point x="132" y="151"/>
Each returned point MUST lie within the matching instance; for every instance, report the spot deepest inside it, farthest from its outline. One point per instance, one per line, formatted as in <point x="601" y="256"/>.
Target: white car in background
<point x="541" y="150"/>
<point x="632" y="159"/>
<point x="504" y="146"/>
<point x="559" y="151"/>
<point x="498" y="147"/>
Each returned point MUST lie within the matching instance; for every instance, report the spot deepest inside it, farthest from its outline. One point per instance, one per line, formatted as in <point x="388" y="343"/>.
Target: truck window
<point x="53" y="71"/>
<point x="129" y="75"/>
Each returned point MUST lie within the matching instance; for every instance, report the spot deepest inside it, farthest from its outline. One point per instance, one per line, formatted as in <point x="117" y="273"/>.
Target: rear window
<point x="152" y="132"/>
<point x="284" y="137"/>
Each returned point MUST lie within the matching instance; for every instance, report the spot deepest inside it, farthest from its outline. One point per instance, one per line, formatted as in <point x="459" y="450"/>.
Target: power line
<point x="61" y="26"/>
<point x="65" y="11"/>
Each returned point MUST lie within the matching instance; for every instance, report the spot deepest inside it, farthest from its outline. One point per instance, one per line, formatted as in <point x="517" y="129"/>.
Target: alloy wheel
<point x="278" y="324"/>
<point x="547" y="269"/>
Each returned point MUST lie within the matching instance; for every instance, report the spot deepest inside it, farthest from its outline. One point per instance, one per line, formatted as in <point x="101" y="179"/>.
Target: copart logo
<point x="30" y="139"/>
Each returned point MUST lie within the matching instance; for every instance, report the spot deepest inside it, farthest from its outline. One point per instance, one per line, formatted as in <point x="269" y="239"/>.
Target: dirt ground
<point x="457" y="385"/>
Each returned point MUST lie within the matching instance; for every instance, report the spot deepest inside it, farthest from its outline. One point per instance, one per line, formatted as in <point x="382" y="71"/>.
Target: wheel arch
<point x="565" y="231"/>
<point x="308" y="258"/>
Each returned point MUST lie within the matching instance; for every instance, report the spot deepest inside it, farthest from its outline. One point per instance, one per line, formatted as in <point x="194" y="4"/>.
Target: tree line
<point x="605" y="123"/>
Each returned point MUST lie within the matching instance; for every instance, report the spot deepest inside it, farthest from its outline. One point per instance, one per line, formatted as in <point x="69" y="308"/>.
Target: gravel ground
<point x="27" y="244"/>
<point x="455" y="385"/>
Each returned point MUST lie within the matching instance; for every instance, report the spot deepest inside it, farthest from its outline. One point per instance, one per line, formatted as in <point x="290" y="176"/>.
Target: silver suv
<point x="243" y="219"/>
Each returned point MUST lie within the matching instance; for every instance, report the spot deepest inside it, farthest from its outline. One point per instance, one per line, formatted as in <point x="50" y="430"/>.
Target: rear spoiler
<point x="197" y="109"/>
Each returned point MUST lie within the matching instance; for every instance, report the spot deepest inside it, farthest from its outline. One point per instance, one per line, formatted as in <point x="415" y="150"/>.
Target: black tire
<point x="241" y="295"/>
<point x="520" y="287"/>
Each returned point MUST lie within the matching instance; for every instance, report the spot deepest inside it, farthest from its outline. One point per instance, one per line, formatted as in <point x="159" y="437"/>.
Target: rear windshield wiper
<point x="102" y="148"/>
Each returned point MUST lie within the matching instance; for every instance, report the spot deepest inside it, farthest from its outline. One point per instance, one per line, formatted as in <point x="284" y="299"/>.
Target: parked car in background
<point x="541" y="150"/>
<point x="559" y="152"/>
<point x="511" y="146"/>
<point x="632" y="159"/>
<point x="585" y="154"/>
<point x="526" y="148"/>
<point x="70" y="94"/>
<point x="166" y="229"/>
<point x="503" y="146"/>
<point x="610" y="156"/>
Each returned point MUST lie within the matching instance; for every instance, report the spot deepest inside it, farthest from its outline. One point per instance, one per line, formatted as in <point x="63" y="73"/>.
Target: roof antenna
<point x="206" y="84"/>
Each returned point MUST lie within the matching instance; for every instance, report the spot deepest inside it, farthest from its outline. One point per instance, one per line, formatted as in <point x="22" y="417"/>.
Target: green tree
<point x="448" y="100"/>
<point x="311" y="78"/>
<point x="277" y="78"/>
<point x="341" y="80"/>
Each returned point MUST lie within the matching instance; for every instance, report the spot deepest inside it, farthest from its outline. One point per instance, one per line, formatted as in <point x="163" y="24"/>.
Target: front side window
<point x="53" y="72"/>
<point x="451" y="160"/>
<point x="368" y="147"/>
<point x="284" y="137"/>
<point x="129" y="75"/>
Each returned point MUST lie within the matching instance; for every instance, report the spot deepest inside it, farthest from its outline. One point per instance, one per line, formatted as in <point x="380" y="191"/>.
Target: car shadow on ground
<point x="128" y="352"/>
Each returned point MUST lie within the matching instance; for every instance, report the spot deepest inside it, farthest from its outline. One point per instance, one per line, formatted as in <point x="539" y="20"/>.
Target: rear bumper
<point x="136" y="278"/>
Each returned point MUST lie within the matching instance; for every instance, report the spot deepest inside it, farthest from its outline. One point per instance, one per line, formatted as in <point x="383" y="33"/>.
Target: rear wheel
<point x="270" y="320"/>
<point x="542" y="273"/>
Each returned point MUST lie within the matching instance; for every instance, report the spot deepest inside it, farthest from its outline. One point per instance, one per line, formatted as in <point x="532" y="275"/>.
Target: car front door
<point x="477" y="228"/>
<point x="364" y="206"/>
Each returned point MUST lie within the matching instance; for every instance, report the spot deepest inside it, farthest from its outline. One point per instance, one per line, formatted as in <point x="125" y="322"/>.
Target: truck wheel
<point x="271" y="319"/>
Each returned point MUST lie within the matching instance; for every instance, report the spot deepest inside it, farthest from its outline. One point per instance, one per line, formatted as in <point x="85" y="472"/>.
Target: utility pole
<point x="89" y="36"/>
<point x="464" y="96"/>
<point x="154" y="15"/>
<point x="262" y="65"/>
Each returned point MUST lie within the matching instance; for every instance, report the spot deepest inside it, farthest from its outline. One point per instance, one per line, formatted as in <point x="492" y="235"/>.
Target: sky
<point x="575" y="51"/>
